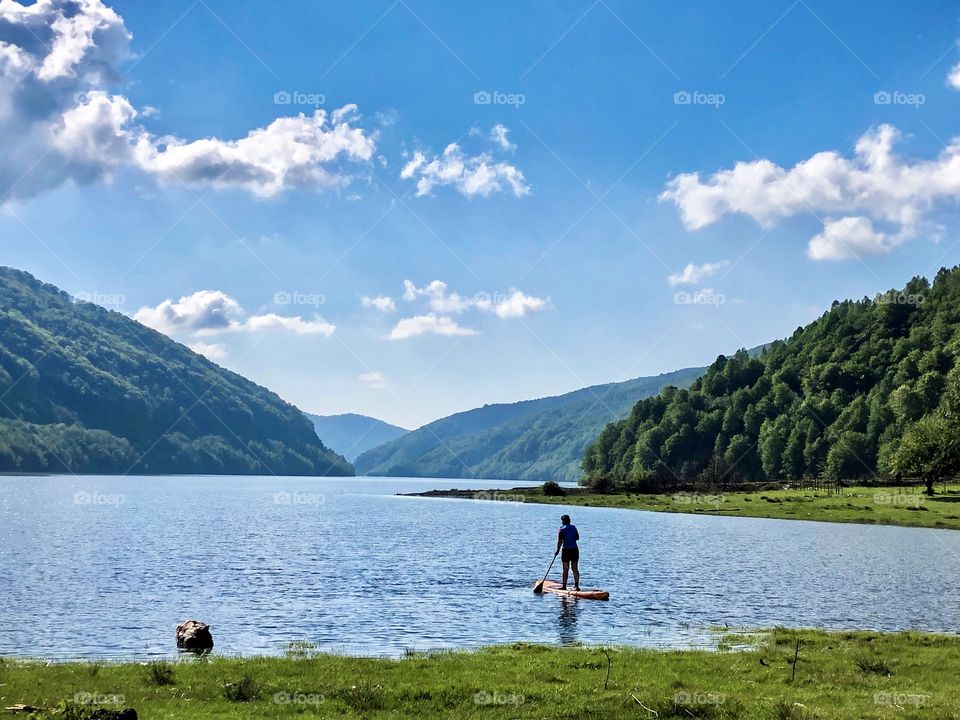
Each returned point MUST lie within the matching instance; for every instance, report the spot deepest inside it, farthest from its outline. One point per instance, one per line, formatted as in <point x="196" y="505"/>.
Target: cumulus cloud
<point x="291" y="152"/>
<point x="442" y="300"/>
<point x="212" y="351"/>
<point x="372" y="379"/>
<point x="850" y="237"/>
<point x="953" y="79"/>
<point x="693" y="274"/>
<point x="499" y="135"/>
<point x="208" y="312"/>
<point x="382" y="303"/>
<point x="61" y="120"/>
<point x="470" y="175"/>
<point x="513" y="304"/>
<point x="875" y="185"/>
<point x="429" y="324"/>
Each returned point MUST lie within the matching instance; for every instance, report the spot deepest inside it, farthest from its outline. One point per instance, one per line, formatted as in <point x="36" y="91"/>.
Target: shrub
<point x="551" y="488"/>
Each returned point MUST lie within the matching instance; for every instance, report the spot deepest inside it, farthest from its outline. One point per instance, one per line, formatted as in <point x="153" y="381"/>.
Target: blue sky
<point x="555" y="226"/>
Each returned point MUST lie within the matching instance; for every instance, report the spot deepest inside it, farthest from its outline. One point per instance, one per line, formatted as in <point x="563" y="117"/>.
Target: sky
<point x="409" y="208"/>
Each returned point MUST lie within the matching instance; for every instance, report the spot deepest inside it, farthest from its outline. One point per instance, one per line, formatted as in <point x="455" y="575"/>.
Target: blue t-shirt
<point x="569" y="533"/>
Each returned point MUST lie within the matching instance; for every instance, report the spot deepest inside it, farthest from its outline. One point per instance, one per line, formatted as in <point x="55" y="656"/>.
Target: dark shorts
<point x="570" y="555"/>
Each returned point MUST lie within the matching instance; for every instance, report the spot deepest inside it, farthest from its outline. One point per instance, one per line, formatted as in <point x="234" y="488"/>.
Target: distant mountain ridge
<point x="351" y="434"/>
<point x="87" y="390"/>
<point x="539" y="440"/>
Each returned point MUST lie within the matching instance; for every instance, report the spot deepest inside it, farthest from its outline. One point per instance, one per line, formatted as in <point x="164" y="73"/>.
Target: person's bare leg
<point x="576" y="575"/>
<point x="566" y="569"/>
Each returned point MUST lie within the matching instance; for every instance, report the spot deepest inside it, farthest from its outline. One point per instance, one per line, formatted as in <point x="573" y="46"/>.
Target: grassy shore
<point x="840" y="676"/>
<point x="871" y="505"/>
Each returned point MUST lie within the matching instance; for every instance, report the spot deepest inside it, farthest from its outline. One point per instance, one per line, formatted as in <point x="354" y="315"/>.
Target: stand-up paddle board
<point x="555" y="587"/>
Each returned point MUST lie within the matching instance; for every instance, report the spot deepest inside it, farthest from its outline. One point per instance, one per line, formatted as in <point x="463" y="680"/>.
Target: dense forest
<point x="540" y="439"/>
<point x="870" y="389"/>
<point x="83" y="389"/>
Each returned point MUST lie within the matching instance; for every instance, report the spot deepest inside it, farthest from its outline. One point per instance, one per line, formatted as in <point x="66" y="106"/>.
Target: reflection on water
<point x="567" y="622"/>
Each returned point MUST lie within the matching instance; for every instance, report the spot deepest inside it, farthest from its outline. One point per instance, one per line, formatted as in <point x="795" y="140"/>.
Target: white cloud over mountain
<point x="852" y="194"/>
<point x="429" y="324"/>
<point x="443" y="303"/>
<point x="208" y="312"/>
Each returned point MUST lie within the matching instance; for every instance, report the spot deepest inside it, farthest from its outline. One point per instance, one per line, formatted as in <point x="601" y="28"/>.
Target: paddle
<point x="538" y="588"/>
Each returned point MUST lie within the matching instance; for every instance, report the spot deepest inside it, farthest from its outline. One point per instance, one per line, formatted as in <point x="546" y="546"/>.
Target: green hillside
<point x="532" y="440"/>
<point x="870" y="387"/>
<point x="86" y="390"/>
<point x="350" y="434"/>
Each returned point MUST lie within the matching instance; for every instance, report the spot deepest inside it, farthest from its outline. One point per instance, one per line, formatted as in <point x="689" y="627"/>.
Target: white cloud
<point x="429" y="324"/>
<point x="295" y="324"/>
<point x="499" y="135"/>
<point x="208" y="312"/>
<point x="953" y="79"/>
<point x="60" y="121"/>
<point x="212" y="351"/>
<point x="203" y="311"/>
<point x="693" y="274"/>
<point x="291" y="152"/>
<point x="441" y="300"/>
<point x="380" y="302"/>
<point x="514" y="304"/>
<point x="372" y="379"/>
<point x="469" y="175"/>
<point x="875" y="184"/>
<point x="850" y="237"/>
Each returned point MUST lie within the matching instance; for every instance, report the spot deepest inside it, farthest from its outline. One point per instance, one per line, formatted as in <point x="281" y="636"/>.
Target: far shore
<point x="907" y="507"/>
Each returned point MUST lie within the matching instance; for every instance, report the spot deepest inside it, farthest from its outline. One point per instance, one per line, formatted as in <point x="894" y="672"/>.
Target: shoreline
<point x="796" y="674"/>
<point x="901" y="507"/>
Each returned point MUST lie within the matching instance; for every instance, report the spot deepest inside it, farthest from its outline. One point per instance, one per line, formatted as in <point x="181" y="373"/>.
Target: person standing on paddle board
<point x="567" y="542"/>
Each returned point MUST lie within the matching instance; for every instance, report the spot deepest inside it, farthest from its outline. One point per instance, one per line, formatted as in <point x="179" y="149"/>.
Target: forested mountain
<point x="870" y="387"/>
<point x="532" y="440"/>
<point x="83" y="389"/>
<point x="350" y="434"/>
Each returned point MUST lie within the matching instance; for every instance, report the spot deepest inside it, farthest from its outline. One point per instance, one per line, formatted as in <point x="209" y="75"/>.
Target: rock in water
<point x="194" y="635"/>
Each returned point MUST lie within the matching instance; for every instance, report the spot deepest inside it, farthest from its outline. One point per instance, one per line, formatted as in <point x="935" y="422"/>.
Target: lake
<point x="107" y="567"/>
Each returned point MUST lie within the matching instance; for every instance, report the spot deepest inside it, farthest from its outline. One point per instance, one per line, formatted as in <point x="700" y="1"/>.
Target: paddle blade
<point x="538" y="588"/>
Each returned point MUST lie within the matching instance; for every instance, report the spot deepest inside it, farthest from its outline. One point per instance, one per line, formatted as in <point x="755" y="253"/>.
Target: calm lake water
<point x="106" y="567"/>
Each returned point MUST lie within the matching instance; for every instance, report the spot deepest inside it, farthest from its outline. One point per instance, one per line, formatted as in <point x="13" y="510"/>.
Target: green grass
<point x="839" y="676"/>
<point x="877" y="506"/>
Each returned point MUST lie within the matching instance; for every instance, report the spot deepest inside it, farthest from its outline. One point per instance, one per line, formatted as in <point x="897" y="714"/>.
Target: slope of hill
<point x="532" y="440"/>
<point x="83" y="389"/>
<point x="351" y="434"/>
<point x="871" y="386"/>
